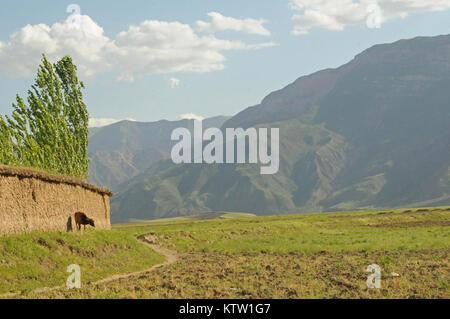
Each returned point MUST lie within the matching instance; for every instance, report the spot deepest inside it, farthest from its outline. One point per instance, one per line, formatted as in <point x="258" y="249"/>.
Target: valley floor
<point x="323" y="255"/>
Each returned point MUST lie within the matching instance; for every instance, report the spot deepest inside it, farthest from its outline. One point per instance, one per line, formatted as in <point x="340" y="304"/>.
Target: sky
<point x="152" y="60"/>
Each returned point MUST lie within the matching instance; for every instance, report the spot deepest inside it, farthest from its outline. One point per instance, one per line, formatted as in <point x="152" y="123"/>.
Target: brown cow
<point x="82" y="219"/>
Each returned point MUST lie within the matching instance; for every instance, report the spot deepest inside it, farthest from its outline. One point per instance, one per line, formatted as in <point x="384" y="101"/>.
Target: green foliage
<point x="7" y="155"/>
<point x="51" y="132"/>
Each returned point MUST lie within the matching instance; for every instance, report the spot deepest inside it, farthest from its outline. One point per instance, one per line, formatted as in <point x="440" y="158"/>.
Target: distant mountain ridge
<point x="125" y="149"/>
<point x="373" y="133"/>
<point x="294" y="100"/>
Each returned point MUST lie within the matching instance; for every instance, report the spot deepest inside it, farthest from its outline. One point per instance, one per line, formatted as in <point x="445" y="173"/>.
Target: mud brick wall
<point x="31" y="200"/>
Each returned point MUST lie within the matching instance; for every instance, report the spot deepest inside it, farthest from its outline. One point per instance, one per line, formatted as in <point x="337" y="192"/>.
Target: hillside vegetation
<point x="291" y="256"/>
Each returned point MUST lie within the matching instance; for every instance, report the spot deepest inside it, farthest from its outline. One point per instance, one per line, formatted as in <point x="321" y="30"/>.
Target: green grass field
<point x="35" y="260"/>
<point x="322" y="255"/>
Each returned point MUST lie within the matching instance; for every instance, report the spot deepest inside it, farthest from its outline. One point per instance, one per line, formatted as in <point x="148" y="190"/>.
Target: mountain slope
<point x="125" y="149"/>
<point x="372" y="133"/>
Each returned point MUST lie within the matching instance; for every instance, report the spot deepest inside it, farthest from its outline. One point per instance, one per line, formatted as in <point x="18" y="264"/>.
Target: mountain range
<point x="123" y="150"/>
<point x="373" y="133"/>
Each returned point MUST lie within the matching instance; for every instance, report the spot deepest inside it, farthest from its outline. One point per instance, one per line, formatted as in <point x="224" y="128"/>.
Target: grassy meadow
<point x="320" y="255"/>
<point x="36" y="260"/>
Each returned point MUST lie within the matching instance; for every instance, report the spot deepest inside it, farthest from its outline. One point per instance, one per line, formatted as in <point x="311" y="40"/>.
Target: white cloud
<point x="190" y="116"/>
<point x="125" y="77"/>
<point x="156" y="47"/>
<point x="222" y="23"/>
<point x="85" y="42"/>
<point x="174" y="82"/>
<point x="261" y="45"/>
<point x="152" y="47"/>
<point x="99" y="122"/>
<point x="337" y="14"/>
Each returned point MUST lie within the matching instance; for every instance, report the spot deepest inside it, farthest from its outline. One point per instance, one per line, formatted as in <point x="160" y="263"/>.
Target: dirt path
<point x="171" y="258"/>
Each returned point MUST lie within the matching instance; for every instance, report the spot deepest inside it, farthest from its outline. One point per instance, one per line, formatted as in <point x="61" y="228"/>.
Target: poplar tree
<point x="51" y="132"/>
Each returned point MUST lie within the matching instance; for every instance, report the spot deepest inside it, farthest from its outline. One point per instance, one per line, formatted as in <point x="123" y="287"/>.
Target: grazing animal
<point x="82" y="219"/>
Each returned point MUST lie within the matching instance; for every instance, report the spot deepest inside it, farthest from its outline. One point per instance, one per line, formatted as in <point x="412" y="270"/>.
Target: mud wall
<point x="34" y="201"/>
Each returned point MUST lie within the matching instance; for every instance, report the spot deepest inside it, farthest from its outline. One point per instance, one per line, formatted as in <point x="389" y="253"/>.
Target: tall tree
<point x="7" y="155"/>
<point x="51" y="133"/>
